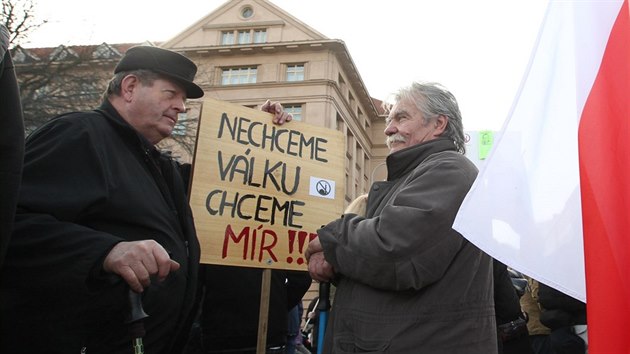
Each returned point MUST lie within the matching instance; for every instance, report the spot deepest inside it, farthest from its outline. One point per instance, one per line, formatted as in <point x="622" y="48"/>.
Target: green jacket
<point x="408" y="282"/>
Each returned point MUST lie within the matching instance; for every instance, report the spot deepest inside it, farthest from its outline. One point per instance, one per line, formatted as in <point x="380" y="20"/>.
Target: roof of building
<point x="103" y="51"/>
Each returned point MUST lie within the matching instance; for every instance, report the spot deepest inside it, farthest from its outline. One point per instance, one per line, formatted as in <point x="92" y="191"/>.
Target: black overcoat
<point x="11" y="141"/>
<point x="89" y="182"/>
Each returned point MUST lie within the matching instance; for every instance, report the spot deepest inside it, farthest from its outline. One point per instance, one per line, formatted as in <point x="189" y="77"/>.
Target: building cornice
<point x="336" y="46"/>
<point x="228" y="26"/>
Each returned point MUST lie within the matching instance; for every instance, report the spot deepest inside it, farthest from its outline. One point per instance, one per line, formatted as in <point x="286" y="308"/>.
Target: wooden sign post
<point x="260" y="191"/>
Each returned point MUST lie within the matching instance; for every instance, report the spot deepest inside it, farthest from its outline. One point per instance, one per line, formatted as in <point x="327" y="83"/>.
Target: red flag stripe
<point x="604" y="151"/>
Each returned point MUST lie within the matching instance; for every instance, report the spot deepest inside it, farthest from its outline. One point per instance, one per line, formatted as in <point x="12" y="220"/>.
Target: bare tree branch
<point x="70" y="79"/>
<point x="19" y="16"/>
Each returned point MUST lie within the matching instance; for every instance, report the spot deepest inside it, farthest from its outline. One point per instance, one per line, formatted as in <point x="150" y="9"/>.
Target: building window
<point x="340" y="124"/>
<point x="63" y="53"/>
<point x="348" y="187"/>
<point x="349" y="146"/>
<point x="260" y="36"/>
<point x="180" y="127"/>
<point x="295" y="72"/>
<point x="235" y="76"/>
<point x="295" y="110"/>
<point x="343" y="88"/>
<point x="247" y="12"/>
<point x="244" y="37"/>
<point x="227" y="37"/>
<point x="352" y="102"/>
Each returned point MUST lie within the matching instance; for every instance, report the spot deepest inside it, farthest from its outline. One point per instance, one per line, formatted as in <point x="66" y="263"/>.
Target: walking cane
<point x="323" y="305"/>
<point x="136" y="321"/>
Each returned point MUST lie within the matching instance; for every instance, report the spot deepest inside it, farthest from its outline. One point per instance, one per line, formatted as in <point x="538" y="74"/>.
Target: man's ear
<point x="440" y="124"/>
<point x="128" y="85"/>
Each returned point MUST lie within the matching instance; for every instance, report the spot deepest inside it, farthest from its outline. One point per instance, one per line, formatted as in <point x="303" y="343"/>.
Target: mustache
<point x="394" y="138"/>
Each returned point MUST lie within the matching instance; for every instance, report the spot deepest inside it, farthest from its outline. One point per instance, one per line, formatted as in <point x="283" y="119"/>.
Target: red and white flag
<point x="553" y="200"/>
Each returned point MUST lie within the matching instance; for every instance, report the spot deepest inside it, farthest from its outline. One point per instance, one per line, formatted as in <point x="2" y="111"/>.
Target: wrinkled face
<point x="405" y="126"/>
<point x="154" y="109"/>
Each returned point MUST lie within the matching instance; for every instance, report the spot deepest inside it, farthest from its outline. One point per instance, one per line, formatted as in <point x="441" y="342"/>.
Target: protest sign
<point x="260" y="191"/>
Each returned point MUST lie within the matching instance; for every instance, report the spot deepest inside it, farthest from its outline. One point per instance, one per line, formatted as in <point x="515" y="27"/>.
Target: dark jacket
<point x="507" y="306"/>
<point x="409" y="282"/>
<point x="11" y="142"/>
<point x="513" y="337"/>
<point x="229" y="317"/>
<point x="558" y="309"/>
<point x="90" y="181"/>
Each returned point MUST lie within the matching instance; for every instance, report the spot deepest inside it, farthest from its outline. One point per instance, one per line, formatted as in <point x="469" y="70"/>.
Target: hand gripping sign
<point x="260" y="191"/>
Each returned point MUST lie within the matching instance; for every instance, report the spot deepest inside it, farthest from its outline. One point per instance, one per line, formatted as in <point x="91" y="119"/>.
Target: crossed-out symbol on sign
<point x="323" y="187"/>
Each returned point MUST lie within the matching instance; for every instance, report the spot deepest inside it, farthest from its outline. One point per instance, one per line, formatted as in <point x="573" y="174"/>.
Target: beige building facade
<point x="251" y="50"/>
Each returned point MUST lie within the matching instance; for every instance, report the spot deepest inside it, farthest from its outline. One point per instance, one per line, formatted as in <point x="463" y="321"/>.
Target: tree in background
<point x="19" y="18"/>
<point x="61" y="81"/>
<point x="52" y="83"/>
<point x="71" y="78"/>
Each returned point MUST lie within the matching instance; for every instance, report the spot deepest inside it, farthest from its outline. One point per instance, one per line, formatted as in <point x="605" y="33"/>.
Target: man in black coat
<point x="102" y="213"/>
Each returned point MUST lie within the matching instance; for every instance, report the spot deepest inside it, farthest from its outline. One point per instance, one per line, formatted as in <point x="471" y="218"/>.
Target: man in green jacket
<point x="406" y="281"/>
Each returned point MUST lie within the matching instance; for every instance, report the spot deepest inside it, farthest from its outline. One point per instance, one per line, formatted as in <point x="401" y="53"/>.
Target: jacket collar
<point x="112" y="115"/>
<point x="403" y="161"/>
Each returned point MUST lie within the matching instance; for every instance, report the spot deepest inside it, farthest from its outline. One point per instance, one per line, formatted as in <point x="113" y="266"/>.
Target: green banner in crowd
<point x="486" y="138"/>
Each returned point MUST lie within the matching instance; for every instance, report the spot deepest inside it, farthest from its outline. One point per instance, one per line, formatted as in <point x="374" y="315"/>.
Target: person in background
<point x="311" y="325"/>
<point x="357" y="206"/>
<point x="293" y="325"/>
<point x="11" y="142"/>
<point x="102" y="215"/>
<point x="566" y="317"/>
<point x="230" y="308"/>
<point x="407" y="282"/>
<point x="294" y="339"/>
<point x="538" y="332"/>
<point x="513" y="337"/>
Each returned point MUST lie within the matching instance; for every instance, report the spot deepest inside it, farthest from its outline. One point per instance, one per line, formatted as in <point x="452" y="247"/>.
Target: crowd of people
<point x="95" y="213"/>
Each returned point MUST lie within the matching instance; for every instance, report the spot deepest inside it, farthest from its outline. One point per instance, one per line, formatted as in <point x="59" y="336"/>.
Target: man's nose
<point x="180" y="106"/>
<point x="390" y="129"/>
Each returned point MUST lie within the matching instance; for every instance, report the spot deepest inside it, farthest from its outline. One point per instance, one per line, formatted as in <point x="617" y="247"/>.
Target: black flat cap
<point x="165" y="62"/>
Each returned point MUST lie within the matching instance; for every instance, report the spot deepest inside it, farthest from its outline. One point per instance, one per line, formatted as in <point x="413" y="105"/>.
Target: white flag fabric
<point x="524" y="208"/>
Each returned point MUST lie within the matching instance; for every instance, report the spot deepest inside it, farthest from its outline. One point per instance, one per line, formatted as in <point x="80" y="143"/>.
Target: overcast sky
<point x="477" y="49"/>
